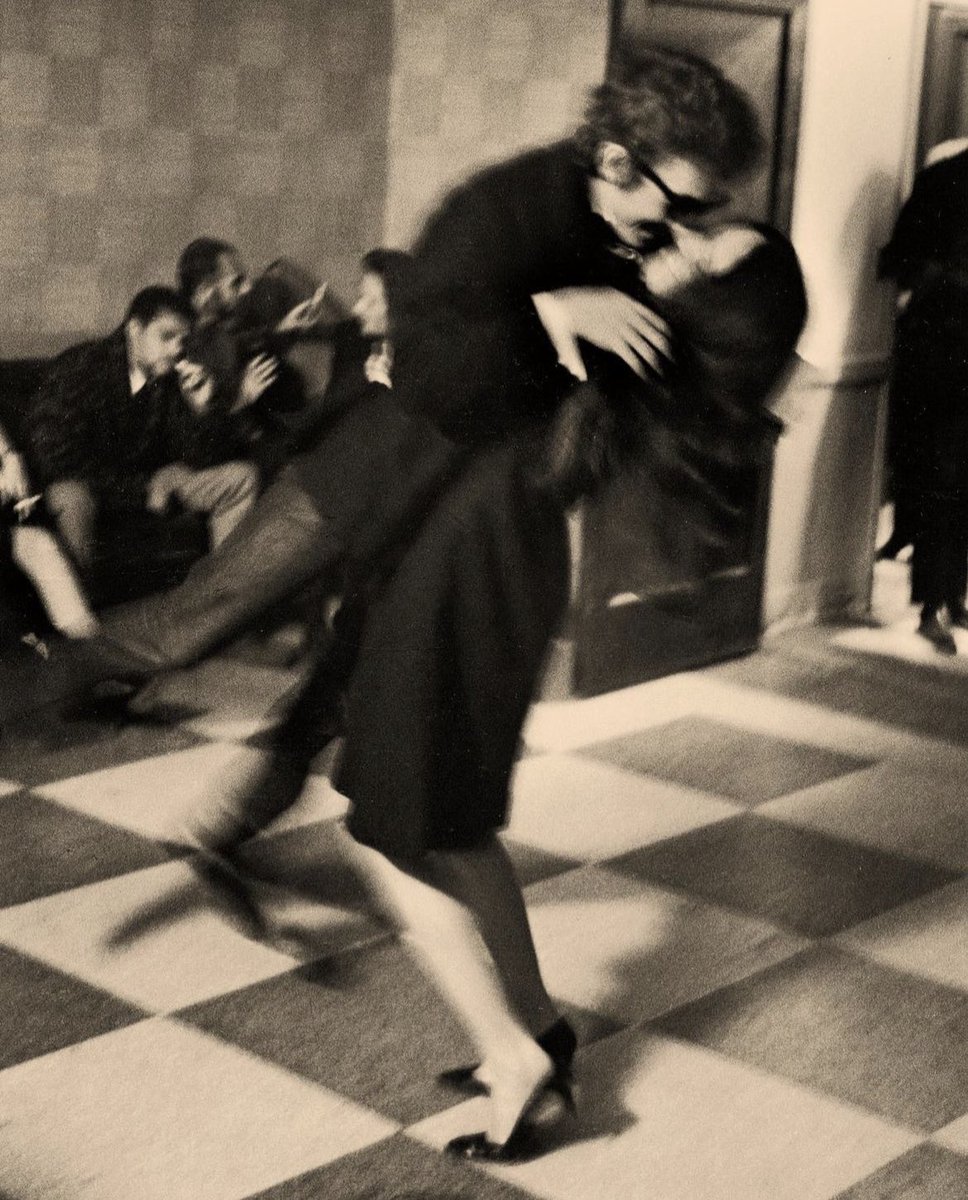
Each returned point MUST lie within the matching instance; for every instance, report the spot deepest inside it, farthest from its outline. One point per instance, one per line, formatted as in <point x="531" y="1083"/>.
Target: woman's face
<point x="370" y="308"/>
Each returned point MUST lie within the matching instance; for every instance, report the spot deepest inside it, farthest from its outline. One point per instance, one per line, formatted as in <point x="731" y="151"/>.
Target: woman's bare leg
<point x="484" y="881"/>
<point x="443" y="935"/>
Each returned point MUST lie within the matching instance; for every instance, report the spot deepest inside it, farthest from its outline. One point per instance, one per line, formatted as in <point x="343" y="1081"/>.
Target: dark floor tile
<point x="711" y="756"/>
<point x="925" y="1173"/>
<point x="913" y="696"/>
<point x="45" y="1010"/>
<point x="892" y="1043"/>
<point x="794" y="877"/>
<point x="363" y="1023"/>
<point x="395" y="1169"/>
<point x="48" y="748"/>
<point x="531" y="865"/>
<point x="46" y="848"/>
<point x="402" y="1035"/>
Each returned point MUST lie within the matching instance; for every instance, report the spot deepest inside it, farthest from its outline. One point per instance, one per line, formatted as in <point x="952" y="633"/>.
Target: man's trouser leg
<point x="281" y="544"/>
<point x="224" y="493"/>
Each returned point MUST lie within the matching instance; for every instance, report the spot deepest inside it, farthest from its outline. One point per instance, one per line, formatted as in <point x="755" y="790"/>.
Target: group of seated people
<point x="189" y="405"/>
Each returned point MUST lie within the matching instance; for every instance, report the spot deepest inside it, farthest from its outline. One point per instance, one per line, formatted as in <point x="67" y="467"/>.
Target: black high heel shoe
<point x="559" y="1042"/>
<point x="524" y="1142"/>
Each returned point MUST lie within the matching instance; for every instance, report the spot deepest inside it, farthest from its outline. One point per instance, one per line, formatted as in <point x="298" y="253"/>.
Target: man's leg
<point x="280" y="544"/>
<point x="224" y="494"/>
<point x="73" y="508"/>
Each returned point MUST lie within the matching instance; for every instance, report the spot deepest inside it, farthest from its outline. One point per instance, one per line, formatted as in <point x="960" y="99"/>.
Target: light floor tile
<point x="673" y="1122"/>
<point x="632" y="951"/>
<point x="8" y="787"/>
<point x="159" y="1111"/>
<point x="901" y="640"/>
<point x="563" y="725"/>
<point x="178" y="949"/>
<point x="926" y="937"/>
<point x="161" y="797"/>
<point x="567" y="725"/>
<point x="903" y="807"/>
<point x="785" y="717"/>
<point x="589" y="810"/>
<point x="954" y="1136"/>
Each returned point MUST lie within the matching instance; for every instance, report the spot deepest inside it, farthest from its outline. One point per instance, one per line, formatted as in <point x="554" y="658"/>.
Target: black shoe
<point x="958" y="618"/>
<point x="939" y="637"/>
<point x="559" y="1042"/>
<point x="524" y="1142"/>
<point x="522" y="1146"/>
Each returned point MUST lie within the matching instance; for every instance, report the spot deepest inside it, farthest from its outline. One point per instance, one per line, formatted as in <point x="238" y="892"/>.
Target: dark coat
<point x="928" y="406"/>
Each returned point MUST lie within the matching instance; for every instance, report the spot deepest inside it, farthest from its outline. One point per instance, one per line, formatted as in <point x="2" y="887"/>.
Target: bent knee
<point x="240" y="479"/>
<point x="70" y="495"/>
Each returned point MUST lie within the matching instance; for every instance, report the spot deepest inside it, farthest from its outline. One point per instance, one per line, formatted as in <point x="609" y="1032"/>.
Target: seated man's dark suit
<point x="86" y="426"/>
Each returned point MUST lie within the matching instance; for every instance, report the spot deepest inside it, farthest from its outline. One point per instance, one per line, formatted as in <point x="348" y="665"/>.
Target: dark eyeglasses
<point x="681" y="206"/>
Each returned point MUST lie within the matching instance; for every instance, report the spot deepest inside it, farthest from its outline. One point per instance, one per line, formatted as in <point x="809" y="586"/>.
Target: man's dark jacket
<point x="85" y="424"/>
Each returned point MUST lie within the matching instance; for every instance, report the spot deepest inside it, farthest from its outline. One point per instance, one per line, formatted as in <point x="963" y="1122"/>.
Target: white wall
<point x="858" y="122"/>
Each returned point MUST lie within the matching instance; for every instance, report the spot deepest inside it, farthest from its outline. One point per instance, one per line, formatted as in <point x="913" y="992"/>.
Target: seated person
<point x="125" y="424"/>
<point x="733" y="294"/>
<point x="34" y="549"/>
<point x="241" y="334"/>
<point x="286" y="541"/>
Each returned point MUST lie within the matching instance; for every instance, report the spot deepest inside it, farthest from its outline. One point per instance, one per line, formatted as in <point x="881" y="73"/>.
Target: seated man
<point x="126" y="424"/>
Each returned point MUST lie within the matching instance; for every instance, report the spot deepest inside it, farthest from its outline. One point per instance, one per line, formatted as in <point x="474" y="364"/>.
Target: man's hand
<point x="197" y="384"/>
<point x="615" y="322"/>
<point x="14" y="484"/>
<point x="259" y="375"/>
<point x="163" y="485"/>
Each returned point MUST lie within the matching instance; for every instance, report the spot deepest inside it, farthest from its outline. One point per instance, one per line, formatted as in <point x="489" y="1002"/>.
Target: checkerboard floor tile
<point x="748" y="886"/>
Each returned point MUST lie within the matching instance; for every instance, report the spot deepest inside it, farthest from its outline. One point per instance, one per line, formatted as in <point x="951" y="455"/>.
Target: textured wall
<point x="474" y="80"/>
<point x="128" y="127"/>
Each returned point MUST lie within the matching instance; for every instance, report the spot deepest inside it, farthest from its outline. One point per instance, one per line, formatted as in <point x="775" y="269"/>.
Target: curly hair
<point x="662" y="103"/>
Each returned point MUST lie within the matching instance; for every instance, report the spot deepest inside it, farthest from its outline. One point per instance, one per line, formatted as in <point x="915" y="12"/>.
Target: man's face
<point x="643" y="202"/>
<point x="223" y="293"/>
<point x="158" y="344"/>
<point x="370" y="308"/>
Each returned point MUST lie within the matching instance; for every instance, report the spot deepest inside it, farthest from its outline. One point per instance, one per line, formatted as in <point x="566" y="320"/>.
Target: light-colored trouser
<point x="36" y="552"/>
<point x="224" y="494"/>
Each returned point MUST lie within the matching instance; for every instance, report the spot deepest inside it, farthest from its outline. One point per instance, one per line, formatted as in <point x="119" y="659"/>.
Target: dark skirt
<point x="452" y="649"/>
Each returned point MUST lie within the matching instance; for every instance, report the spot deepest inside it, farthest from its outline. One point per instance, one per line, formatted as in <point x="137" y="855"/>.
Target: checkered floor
<point x="749" y="890"/>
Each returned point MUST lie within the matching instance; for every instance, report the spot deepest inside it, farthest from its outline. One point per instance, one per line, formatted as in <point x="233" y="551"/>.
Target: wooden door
<point x="643" y="608"/>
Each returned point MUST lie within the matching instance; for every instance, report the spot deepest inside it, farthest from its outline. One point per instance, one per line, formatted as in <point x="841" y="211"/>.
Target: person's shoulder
<point x="87" y="353"/>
